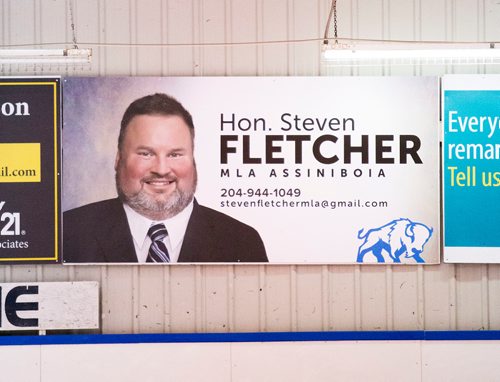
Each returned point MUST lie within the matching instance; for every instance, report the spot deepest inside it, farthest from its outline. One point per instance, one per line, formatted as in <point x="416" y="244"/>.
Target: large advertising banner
<point x="29" y="170"/>
<point x="471" y="168"/>
<point x="284" y="170"/>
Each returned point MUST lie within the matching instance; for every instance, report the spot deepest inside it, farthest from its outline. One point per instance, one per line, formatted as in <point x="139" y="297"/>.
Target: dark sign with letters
<point x="29" y="170"/>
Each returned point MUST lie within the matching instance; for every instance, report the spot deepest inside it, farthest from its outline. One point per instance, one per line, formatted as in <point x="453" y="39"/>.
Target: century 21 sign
<point x="30" y="165"/>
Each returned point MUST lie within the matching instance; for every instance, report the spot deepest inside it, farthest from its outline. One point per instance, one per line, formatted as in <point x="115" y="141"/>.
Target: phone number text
<point x="259" y="192"/>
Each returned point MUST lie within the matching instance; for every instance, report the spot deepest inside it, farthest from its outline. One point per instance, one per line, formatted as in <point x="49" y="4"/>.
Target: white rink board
<point x="255" y="361"/>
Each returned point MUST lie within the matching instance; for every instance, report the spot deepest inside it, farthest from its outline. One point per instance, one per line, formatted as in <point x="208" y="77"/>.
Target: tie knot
<point x="157" y="232"/>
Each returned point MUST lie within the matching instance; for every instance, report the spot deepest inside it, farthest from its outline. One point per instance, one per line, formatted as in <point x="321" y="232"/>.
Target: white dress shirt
<point x="176" y="227"/>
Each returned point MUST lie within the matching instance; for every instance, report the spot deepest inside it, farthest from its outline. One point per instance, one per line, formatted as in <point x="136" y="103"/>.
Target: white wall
<point x="345" y="361"/>
<point x="259" y="298"/>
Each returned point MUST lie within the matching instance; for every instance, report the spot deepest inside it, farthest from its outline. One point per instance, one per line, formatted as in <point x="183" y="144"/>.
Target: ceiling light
<point x="411" y="53"/>
<point x="45" y="56"/>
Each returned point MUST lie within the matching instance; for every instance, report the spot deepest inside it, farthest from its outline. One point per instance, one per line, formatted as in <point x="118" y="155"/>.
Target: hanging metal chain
<point x="333" y="12"/>
<point x="335" y="34"/>
<point x="75" y="45"/>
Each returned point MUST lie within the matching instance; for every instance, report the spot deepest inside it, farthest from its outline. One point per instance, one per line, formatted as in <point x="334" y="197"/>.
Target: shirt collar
<point x="176" y="225"/>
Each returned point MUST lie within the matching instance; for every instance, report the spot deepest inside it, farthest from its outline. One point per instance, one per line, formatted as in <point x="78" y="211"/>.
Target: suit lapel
<point x="198" y="239"/>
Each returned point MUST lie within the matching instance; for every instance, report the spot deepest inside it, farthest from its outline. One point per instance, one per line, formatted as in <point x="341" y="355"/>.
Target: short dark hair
<point x="154" y="104"/>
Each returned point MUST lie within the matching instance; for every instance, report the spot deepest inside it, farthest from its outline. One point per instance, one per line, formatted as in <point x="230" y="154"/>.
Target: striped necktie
<point x="158" y="252"/>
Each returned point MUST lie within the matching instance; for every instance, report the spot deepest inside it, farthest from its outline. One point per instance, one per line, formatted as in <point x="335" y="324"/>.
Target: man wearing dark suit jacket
<point x="155" y="217"/>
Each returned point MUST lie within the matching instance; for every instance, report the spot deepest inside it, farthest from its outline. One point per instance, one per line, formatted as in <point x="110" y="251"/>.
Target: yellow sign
<point x="20" y="162"/>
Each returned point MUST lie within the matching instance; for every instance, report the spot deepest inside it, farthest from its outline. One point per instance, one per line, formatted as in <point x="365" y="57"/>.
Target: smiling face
<point x="155" y="168"/>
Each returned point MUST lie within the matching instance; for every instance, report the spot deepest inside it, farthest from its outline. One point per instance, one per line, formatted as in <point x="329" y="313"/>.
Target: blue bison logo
<point x="400" y="237"/>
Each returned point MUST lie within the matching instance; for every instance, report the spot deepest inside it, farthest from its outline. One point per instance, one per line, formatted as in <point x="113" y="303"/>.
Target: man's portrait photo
<point x="154" y="217"/>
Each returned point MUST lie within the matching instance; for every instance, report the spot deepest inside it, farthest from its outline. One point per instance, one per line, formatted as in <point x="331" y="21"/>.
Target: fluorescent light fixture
<point x="45" y="56"/>
<point x="412" y="53"/>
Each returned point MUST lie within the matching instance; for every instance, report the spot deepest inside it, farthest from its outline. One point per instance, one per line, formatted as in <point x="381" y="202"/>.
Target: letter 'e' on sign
<point x="49" y="306"/>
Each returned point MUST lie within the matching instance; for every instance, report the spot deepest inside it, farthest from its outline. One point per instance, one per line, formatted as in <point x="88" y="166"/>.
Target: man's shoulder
<point x="220" y="219"/>
<point x="100" y="208"/>
<point x="213" y="236"/>
<point x="96" y="233"/>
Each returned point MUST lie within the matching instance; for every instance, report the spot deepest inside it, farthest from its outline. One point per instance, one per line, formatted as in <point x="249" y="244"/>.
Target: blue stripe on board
<point x="76" y="339"/>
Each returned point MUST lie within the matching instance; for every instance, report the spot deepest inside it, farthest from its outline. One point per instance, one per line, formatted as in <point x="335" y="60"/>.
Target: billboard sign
<point x="29" y="170"/>
<point x="471" y="170"/>
<point x="323" y="170"/>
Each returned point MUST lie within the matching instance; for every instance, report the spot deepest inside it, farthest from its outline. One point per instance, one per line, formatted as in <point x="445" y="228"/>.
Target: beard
<point x="160" y="207"/>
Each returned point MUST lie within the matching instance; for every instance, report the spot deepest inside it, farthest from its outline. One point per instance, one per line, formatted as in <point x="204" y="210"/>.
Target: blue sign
<point x="471" y="168"/>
